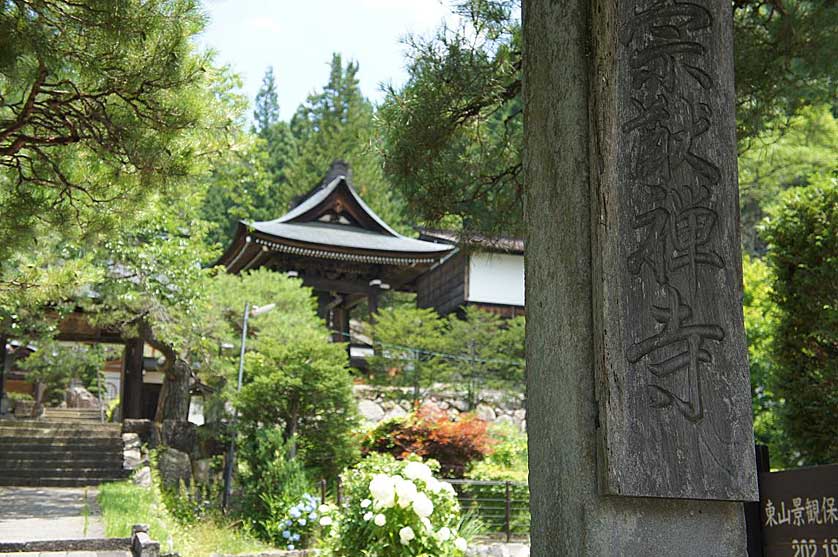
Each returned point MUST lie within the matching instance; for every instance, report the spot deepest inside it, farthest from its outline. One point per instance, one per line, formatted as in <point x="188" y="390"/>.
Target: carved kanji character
<point x="690" y="340"/>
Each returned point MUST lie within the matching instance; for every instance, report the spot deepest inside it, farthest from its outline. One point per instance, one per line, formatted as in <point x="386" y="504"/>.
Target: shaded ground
<point x="49" y="513"/>
<point x="70" y="554"/>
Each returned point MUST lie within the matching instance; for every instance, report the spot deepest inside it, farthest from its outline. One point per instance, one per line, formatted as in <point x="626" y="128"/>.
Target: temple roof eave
<point x="252" y="245"/>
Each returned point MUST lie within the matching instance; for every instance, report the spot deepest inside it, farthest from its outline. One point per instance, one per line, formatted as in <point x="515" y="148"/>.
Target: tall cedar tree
<point x="453" y="134"/>
<point x="338" y="123"/>
<point x="802" y="234"/>
<point x="279" y="144"/>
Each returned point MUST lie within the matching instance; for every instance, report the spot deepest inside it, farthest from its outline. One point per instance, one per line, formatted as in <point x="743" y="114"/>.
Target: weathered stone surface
<point x="174" y="466"/>
<point x="155" y="435"/>
<point x="139" y="426"/>
<point x="131" y="441"/>
<point x="370" y="411"/>
<point x="61" y="547"/>
<point x="570" y="111"/>
<point x="179" y="434"/>
<point x="673" y="380"/>
<point x="131" y="451"/>
<point x="143" y="546"/>
<point x="485" y="412"/>
<point x="79" y="397"/>
<point x="395" y="412"/>
<point x="201" y="470"/>
<point x="24" y="408"/>
<point x="460" y="405"/>
<point x="142" y="476"/>
<point x="499" y="550"/>
<point x="210" y="439"/>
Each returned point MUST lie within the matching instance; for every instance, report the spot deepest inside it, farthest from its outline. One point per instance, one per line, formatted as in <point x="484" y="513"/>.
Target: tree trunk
<point x="173" y="403"/>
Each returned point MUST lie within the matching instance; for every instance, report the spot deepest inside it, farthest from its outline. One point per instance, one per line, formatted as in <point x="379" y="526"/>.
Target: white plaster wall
<point x="496" y="278"/>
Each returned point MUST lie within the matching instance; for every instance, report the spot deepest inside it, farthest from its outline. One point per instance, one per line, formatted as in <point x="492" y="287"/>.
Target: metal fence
<point x="502" y="507"/>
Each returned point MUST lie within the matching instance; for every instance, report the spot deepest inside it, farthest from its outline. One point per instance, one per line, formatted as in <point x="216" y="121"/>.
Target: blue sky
<point x="297" y="38"/>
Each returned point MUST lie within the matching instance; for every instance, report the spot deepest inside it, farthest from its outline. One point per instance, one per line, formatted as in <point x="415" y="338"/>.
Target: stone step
<point x="59" y="427"/>
<point x="35" y="461"/>
<point x="88" y="442"/>
<point x="51" y="425"/>
<point x="59" y="411"/>
<point x="91" y="472"/>
<point x="61" y="437"/>
<point x="49" y="481"/>
<point x="58" y="451"/>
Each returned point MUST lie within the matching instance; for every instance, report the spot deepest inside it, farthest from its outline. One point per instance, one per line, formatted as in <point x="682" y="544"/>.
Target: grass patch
<point x="124" y="504"/>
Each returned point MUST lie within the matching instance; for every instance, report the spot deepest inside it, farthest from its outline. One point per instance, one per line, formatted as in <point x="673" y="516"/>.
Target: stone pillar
<point x="636" y="368"/>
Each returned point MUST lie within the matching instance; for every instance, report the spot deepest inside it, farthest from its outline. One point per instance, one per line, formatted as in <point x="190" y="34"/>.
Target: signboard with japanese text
<point x="799" y="512"/>
<point x="672" y="379"/>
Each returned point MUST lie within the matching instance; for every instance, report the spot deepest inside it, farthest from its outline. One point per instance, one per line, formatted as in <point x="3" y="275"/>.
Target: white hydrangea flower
<point x="324" y="508"/>
<point x="382" y="488"/>
<point x="326" y="521"/>
<point x="434" y="485"/>
<point x="418" y="471"/>
<point x="365" y="503"/>
<point x="461" y="544"/>
<point x="367" y="516"/>
<point x="406" y="535"/>
<point x="380" y="520"/>
<point x="406" y="490"/>
<point x="422" y="505"/>
<point x="427" y="523"/>
<point x="449" y="488"/>
<point x="444" y="534"/>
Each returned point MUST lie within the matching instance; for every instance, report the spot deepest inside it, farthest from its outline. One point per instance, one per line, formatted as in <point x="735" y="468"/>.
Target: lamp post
<point x="231" y="453"/>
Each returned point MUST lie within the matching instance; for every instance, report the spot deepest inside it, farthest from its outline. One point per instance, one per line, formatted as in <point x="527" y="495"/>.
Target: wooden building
<point x="483" y="272"/>
<point x="338" y="246"/>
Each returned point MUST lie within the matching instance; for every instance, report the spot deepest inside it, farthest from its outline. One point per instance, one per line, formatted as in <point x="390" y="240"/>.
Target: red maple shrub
<point x="430" y="433"/>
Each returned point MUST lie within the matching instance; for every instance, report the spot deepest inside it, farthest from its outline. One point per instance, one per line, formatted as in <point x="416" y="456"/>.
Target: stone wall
<point x="377" y="404"/>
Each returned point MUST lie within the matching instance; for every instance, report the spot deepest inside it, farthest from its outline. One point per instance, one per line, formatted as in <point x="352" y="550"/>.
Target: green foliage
<point x="124" y="504"/>
<point x="760" y="326"/>
<point x="786" y="58"/>
<point x="305" y="387"/>
<point x="295" y="378"/>
<point x="55" y="364"/>
<point x="266" y="113"/>
<point x="338" y="123"/>
<point x="453" y="134"/>
<point x="101" y="105"/>
<point x="193" y="503"/>
<point x="506" y="463"/>
<point x="408" y="340"/>
<point x="397" y="508"/>
<point x="802" y="236"/>
<point x="488" y="352"/>
<point x="779" y="159"/>
<point x="417" y="348"/>
<point x="271" y="482"/>
<point x="248" y="181"/>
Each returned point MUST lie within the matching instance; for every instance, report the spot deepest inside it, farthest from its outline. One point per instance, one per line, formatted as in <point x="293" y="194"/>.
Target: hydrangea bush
<point x="397" y="508"/>
<point x="304" y="521"/>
